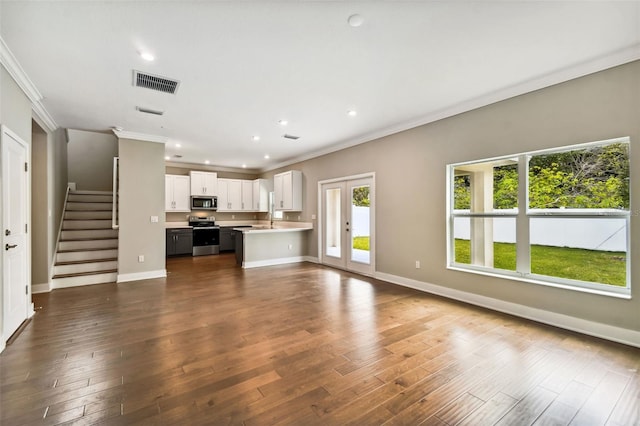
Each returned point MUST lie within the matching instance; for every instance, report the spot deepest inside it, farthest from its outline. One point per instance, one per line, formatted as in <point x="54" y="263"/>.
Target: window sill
<point x="620" y="294"/>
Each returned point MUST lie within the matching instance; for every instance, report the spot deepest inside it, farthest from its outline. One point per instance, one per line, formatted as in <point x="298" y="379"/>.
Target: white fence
<point x="360" y="221"/>
<point x="593" y="234"/>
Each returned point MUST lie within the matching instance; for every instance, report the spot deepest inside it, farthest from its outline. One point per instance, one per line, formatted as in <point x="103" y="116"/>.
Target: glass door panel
<point x="360" y="224"/>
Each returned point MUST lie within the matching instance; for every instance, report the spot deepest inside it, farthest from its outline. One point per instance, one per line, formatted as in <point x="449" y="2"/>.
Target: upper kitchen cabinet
<point x="287" y="188"/>
<point x="177" y="193"/>
<point x="204" y="183"/>
<point x="229" y="195"/>
<point x="261" y="189"/>
<point x="247" y="195"/>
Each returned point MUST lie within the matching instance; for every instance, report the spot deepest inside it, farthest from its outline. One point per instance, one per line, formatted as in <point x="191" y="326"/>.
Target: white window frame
<point x="523" y="216"/>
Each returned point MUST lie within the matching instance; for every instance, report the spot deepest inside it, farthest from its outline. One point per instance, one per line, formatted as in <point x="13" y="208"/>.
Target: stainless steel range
<point x="206" y="235"/>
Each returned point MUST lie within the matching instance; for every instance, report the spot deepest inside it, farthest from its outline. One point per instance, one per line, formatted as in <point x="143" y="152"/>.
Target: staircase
<point x="88" y="246"/>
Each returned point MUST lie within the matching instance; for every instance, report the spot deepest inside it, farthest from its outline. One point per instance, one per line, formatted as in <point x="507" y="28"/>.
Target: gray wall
<point x="141" y="196"/>
<point x="90" y="159"/>
<point x="411" y="187"/>
<point x="15" y="113"/>
<point x="57" y="180"/>
<point x="40" y="254"/>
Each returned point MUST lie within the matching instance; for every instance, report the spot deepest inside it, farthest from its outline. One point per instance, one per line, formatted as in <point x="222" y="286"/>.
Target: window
<point x="558" y="216"/>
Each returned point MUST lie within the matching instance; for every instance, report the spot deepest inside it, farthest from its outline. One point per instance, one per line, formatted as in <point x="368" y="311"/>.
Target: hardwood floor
<point x="303" y="345"/>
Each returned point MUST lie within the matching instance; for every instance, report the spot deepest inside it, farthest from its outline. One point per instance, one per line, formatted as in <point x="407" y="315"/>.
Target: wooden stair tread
<point x="87" y="229"/>
<point x="80" y="274"/>
<point x="86" y="210"/>
<point x="79" y="262"/>
<point x="88" y="239"/>
<point x="86" y="249"/>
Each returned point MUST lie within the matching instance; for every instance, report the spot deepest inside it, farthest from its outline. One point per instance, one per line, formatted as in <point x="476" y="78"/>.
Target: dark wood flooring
<point x="301" y="345"/>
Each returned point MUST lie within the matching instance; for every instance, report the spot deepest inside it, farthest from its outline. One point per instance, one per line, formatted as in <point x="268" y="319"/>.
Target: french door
<point x="347" y="208"/>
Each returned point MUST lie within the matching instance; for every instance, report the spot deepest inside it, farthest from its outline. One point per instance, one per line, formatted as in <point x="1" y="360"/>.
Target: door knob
<point x="7" y="232"/>
<point x="10" y="246"/>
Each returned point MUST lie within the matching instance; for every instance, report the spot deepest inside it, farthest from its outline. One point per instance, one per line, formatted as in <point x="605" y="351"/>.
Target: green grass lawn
<point x="577" y="264"/>
<point x="361" y="243"/>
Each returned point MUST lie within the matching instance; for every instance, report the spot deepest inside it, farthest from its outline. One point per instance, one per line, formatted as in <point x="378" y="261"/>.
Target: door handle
<point x="7" y="232"/>
<point x="10" y="246"/>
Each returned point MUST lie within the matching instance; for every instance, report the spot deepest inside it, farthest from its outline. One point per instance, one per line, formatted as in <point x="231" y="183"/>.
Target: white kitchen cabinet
<point x="261" y="189"/>
<point x="287" y="188"/>
<point x="247" y="195"/>
<point x="229" y="195"/>
<point x="204" y="183"/>
<point x="177" y="191"/>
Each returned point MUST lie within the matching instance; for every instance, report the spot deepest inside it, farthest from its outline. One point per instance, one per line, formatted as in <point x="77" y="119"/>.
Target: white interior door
<point x="15" y="249"/>
<point x="348" y="240"/>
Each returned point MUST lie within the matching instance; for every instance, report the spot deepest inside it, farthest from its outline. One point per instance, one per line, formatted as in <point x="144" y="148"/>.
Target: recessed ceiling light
<point x="167" y="157"/>
<point x="352" y="112"/>
<point x="146" y="56"/>
<point x="266" y="156"/>
<point x="256" y="138"/>
<point x="283" y="122"/>
<point x="244" y="166"/>
<point x="178" y="145"/>
<point x="206" y="162"/>
<point x="355" y="20"/>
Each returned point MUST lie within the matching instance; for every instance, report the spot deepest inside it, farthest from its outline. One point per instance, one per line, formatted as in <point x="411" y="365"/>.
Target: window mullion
<point x="523" y="248"/>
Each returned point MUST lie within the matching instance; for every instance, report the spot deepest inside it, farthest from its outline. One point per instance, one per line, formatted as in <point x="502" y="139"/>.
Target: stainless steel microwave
<point x="200" y="202"/>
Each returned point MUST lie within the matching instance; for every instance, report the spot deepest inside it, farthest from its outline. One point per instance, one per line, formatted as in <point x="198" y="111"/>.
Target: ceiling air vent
<point x="150" y="111"/>
<point x="155" y="82"/>
<point x="287" y="136"/>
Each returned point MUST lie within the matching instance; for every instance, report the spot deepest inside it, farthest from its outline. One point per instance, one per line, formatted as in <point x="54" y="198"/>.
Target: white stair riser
<point x="88" y="206"/>
<point x="82" y="245"/>
<point x="74" y="256"/>
<point x="99" y="233"/>
<point x="85" y="267"/>
<point x="84" y="280"/>
<point x="90" y="198"/>
<point x="87" y="224"/>
<point x="87" y="214"/>
<point x="87" y="192"/>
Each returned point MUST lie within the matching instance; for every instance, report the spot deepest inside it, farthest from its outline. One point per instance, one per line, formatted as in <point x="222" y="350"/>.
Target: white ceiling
<point x="245" y="65"/>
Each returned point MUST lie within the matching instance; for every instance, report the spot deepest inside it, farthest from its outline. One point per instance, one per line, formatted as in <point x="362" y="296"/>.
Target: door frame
<point x="29" y="311"/>
<point x="372" y="219"/>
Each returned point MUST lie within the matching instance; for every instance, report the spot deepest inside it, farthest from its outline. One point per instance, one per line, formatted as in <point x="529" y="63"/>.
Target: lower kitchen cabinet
<point x="227" y="242"/>
<point x="179" y="241"/>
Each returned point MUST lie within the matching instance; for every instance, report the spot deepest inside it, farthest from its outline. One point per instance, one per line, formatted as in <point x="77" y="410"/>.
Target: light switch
<point x="154" y="219"/>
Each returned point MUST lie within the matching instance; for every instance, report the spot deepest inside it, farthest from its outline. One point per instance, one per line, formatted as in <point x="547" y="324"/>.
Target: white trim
<point x="3" y="343"/>
<point x="40" y="288"/>
<point x="273" y="262"/>
<point x="15" y="70"/>
<point x="137" y="276"/>
<point x="311" y="259"/>
<point x="603" y="331"/>
<point x="592" y="66"/>
<point x="123" y="134"/>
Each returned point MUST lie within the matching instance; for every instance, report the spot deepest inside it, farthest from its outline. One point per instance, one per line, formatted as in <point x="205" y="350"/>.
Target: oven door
<point x="206" y="240"/>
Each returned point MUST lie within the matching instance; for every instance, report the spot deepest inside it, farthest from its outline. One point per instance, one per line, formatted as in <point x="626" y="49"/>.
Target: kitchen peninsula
<point x="264" y="244"/>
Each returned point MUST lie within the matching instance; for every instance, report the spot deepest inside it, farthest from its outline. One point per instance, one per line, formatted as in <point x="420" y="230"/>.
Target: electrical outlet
<point x="417" y="264"/>
<point x="154" y="219"/>
<point x="141" y="258"/>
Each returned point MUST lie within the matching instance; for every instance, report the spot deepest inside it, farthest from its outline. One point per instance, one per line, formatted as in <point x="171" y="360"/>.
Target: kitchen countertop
<point x="277" y="227"/>
<point x="173" y="225"/>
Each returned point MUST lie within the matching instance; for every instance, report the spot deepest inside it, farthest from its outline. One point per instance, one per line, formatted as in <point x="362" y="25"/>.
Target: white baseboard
<point x="3" y="343"/>
<point x="311" y="259"/>
<point x="137" y="276"/>
<point x="603" y="331"/>
<point x="40" y="288"/>
<point x="272" y="262"/>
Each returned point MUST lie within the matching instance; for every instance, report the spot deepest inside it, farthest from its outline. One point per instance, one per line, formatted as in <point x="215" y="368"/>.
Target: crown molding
<point x="15" y="70"/>
<point x="620" y="57"/>
<point x="123" y="134"/>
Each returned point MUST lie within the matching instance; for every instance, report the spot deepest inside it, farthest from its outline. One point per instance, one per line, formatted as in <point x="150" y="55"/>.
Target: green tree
<point x="361" y="196"/>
